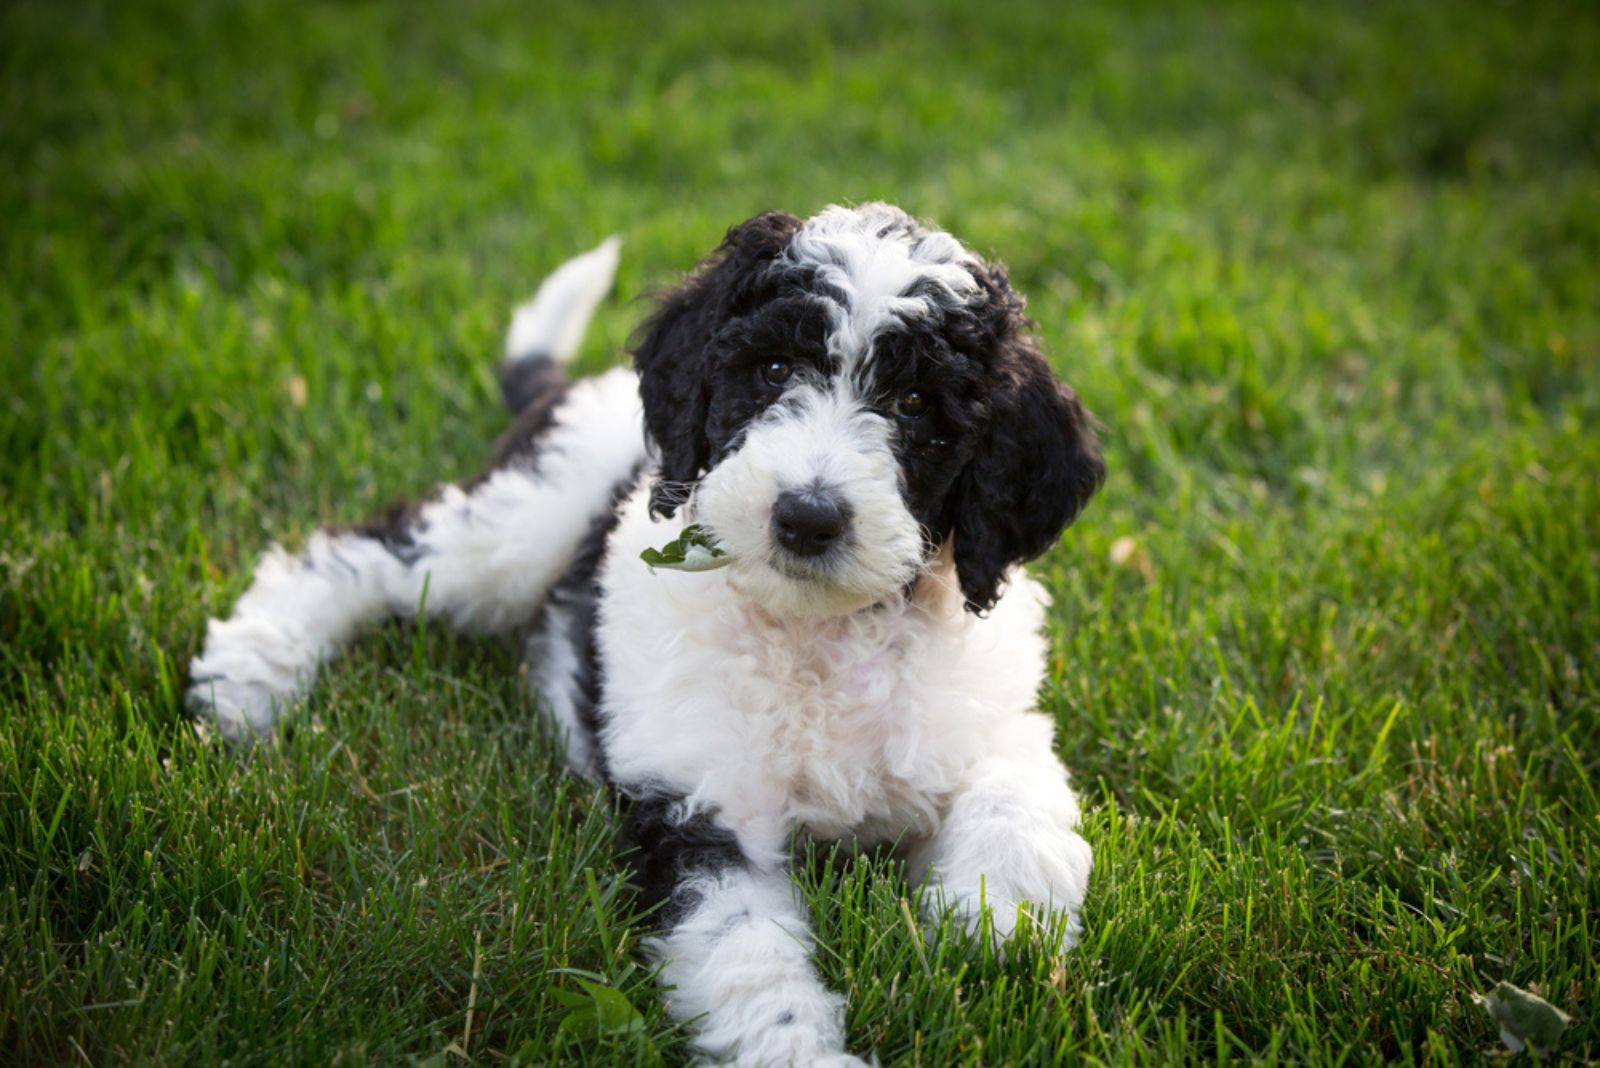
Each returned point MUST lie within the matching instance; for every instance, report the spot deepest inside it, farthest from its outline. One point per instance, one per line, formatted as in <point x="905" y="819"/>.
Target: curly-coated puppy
<point x="853" y="408"/>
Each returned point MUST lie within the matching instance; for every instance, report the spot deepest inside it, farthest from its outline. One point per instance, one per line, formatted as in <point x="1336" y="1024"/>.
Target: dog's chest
<point x="857" y="721"/>
<point x="859" y="726"/>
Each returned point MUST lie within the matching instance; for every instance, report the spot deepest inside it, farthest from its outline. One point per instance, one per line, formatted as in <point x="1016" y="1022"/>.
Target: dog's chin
<point x="789" y="589"/>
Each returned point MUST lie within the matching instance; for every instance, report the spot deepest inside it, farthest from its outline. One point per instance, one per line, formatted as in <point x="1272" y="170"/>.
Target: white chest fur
<point x="856" y="726"/>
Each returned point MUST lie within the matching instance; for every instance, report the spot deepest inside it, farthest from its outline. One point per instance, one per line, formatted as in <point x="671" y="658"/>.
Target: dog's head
<point x="836" y="398"/>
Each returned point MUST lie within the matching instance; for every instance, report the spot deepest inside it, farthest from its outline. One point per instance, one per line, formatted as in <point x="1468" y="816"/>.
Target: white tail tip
<point x="552" y="323"/>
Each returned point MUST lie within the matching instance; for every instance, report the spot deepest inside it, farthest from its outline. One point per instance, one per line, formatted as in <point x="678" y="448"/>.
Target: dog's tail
<point x="546" y="331"/>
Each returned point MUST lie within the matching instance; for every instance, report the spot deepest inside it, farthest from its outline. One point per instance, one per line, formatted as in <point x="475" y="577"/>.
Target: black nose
<point x="807" y="523"/>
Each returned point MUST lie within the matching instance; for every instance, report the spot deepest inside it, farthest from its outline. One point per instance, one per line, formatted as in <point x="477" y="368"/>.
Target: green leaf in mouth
<point x="693" y="550"/>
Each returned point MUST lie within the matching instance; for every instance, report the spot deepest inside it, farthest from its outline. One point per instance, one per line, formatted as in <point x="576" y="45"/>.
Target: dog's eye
<point x="913" y="404"/>
<point x="776" y="373"/>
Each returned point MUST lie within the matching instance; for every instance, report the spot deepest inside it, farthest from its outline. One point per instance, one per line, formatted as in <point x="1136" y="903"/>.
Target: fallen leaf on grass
<point x="1126" y="552"/>
<point x="1526" y="1020"/>
<point x="599" y="1010"/>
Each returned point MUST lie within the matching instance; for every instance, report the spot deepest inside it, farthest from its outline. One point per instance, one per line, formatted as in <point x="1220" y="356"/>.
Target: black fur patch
<point x="395" y="529"/>
<point x="1035" y="466"/>
<point x="528" y="379"/>
<point x="541" y="386"/>
<point x="578" y="594"/>
<point x="671" y="352"/>
<point x="665" y="848"/>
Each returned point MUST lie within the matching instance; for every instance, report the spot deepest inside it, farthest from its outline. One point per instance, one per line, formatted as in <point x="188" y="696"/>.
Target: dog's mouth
<point x="828" y="567"/>
<point x="822" y="547"/>
<point x="834" y="583"/>
<point x="816" y="571"/>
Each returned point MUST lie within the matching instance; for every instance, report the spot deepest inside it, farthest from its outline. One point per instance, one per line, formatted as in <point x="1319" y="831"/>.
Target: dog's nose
<point x="807" y="524"/>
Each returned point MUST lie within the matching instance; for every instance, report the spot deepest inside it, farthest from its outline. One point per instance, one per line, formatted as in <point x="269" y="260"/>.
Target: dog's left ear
<point x="1036" y="466"/>
<point x="672" y="350"/>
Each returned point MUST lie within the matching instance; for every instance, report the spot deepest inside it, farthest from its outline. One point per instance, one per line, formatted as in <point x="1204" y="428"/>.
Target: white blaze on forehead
<point x="871" y="256"/>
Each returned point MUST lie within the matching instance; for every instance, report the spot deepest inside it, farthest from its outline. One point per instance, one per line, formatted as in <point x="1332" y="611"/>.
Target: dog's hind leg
<point x="480" y="557"/>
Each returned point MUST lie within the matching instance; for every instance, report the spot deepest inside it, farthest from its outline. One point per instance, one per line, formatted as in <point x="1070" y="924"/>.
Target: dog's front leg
<point x="1009" y="842"/>
<point x="734" y="946"/>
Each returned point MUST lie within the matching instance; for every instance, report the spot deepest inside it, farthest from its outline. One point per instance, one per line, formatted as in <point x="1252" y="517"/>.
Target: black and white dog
<point x="854" y="407"/>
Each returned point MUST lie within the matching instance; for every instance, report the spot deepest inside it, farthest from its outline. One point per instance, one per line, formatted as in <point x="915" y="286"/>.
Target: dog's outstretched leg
<point x="480" y="556"/>
<point x="734" y="945"/>
<point x="1010" y="840"/>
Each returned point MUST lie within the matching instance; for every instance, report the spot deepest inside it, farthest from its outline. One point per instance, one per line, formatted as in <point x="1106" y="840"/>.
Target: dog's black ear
<point x="673" y="348"/>
<point x="1036" y="466"/>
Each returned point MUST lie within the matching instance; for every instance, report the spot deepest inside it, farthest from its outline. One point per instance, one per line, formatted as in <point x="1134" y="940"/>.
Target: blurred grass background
<point x="1328" y="645"/>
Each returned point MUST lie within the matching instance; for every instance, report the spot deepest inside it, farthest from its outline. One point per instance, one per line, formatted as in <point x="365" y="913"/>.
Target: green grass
<point x="1329" y="274"/>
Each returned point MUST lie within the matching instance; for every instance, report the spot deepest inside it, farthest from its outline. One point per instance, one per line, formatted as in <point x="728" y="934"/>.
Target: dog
<point x="854" y="409"/>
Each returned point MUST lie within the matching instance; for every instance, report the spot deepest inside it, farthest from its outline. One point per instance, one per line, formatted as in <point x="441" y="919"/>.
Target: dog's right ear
<point x="673" y="348"/>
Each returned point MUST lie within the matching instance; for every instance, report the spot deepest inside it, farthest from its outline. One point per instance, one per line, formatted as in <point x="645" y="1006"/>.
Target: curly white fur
<point x="867" y="256"/>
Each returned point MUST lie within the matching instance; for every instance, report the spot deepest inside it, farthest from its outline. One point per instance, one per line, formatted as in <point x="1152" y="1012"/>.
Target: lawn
<point x="1327" y="647"/>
